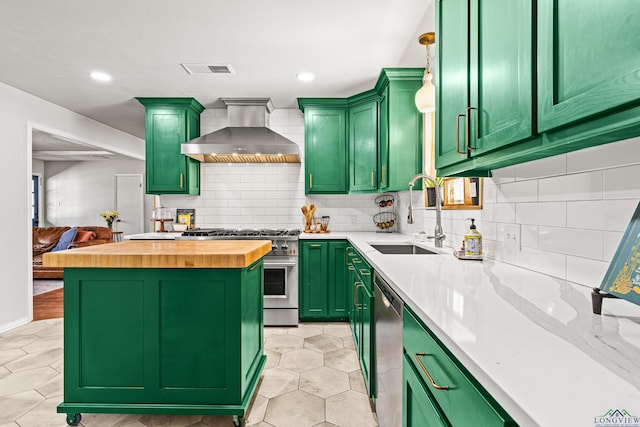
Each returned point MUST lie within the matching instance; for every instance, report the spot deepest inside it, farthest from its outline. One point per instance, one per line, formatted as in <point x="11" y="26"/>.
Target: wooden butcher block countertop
<point x="163" y="254"/>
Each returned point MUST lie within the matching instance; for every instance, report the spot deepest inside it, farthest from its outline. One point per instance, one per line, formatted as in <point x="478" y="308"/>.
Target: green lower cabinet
<point x="361" y="315"/>
<point x="366" y="345"/>
<point x="323" y="291"/>
<point x="454" y="397"/>
<point x="419" y="408"/>
<point x="171" y="341"/>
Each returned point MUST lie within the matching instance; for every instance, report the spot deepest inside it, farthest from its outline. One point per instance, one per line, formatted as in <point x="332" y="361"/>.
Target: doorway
<point x="129" y="203"/>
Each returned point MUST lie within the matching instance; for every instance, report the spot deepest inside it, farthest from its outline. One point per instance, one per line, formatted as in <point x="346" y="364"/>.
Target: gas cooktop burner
<point x="245" y="233"/>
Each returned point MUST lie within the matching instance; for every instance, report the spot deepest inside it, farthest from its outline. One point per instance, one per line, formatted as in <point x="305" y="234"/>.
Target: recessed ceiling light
<point x="305" y="77"/>
<point x="100" y="76"/>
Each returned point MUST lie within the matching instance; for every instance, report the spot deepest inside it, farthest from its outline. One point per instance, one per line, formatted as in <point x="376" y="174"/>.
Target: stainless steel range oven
<point x="280" y="268"/>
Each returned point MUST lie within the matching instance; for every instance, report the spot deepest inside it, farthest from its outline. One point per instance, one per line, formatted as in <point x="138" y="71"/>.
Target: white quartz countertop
<point x="531" y="340"/>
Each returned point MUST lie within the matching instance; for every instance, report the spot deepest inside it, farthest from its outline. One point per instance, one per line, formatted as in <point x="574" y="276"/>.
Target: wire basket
<point x="385" y="221"/>
<point x="384" y="201"/>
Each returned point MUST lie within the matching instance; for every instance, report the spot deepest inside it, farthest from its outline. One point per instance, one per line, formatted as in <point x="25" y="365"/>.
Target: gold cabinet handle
<point x="351" y="267"/>
<point x="467" y="120"/>
<point x="256" y="266"/>
<point x="315" y="245"/>
<point x="310" y="181"/>
<point x="458" y="134"/>
<point x="364" y="272"/>
<point x="383" y="168"/>
<point x="181" y="180"/>
<point x="373" y="183"/>
<point x="433" y="384"/>
<point x="356" y="285"/>
<point x="356" y="261"/>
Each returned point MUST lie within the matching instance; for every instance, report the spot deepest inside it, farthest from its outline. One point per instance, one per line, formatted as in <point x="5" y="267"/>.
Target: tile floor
<point x="312" y="378"/>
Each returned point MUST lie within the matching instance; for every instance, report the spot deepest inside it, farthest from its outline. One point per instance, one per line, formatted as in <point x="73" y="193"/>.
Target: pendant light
<point x="426" y="95"/>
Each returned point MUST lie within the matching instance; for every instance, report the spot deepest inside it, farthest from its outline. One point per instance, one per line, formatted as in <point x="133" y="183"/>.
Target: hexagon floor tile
<point x="324" y="382"/>
<point x="301" y="360"/>
<point x="295" y="409"/>
<point x="311" y="379"/>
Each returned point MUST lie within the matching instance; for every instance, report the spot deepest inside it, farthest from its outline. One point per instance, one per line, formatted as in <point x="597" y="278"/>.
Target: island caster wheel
<point x="239" y="421"/>
<point x="73" y="419"/>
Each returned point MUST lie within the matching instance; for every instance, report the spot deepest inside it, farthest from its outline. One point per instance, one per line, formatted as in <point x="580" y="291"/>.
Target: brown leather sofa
<point x="44" y="239"/>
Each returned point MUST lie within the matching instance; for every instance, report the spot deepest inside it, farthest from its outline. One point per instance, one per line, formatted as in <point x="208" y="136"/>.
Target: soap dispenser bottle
<point x="473" y="241"/>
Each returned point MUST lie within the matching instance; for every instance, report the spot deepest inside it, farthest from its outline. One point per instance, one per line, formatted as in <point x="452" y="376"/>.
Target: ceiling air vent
<point x="208" y="69"/>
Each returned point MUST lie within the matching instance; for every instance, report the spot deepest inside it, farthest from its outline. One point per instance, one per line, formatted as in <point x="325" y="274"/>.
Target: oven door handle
<point x="279" y="264"/>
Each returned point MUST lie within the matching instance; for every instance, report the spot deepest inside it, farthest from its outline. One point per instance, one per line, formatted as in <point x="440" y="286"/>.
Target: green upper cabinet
<point x="169" y="122"/>
<point x="325" y="146"/>
<point x="494" y="110"/>
<point x="400" y="128"/>
<point x="371" y="141"/>
<point x="485" y="84"/>
<point x="587" y="59"/>
<point x="363" y="146"/>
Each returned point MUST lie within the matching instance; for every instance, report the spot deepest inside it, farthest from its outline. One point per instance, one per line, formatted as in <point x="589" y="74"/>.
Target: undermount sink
<point x="402" y="248"/>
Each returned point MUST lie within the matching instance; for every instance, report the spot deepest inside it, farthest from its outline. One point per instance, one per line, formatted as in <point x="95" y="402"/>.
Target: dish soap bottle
<point x="473" y="241"/>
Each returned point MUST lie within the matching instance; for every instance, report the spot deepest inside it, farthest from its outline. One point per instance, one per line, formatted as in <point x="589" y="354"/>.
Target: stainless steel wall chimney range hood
<point x="247" y="139"/>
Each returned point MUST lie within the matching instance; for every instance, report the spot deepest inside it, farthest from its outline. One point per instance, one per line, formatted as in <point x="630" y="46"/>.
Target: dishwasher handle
<point x="389" y="298"/>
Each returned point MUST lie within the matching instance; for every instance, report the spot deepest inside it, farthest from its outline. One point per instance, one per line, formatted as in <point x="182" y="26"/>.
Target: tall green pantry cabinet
<point x="169" y="122"/>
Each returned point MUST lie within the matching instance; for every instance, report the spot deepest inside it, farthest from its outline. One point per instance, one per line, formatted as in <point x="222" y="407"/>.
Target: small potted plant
<point x="109" y="216"/>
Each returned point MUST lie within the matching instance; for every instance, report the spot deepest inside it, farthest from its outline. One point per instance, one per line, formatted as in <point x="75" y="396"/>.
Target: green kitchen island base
<point x="74" y="410"/>
<point x="162" y="340"/>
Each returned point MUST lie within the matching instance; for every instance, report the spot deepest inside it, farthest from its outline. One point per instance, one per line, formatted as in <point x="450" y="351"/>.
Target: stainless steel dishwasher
<point x="388" y="330"/>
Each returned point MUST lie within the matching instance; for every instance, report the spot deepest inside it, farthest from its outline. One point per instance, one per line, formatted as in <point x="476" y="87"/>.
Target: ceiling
<point x="49" y="48"/>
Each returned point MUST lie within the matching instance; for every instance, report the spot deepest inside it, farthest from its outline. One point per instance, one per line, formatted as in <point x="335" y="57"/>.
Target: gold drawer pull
<point x="310" y="181"/>
<point x="458" y="134"/>
<point x="356" y="261"/>
<point x="355" y="295"/>
<point x="315" y="245"/>
<point x="364" y="272"/>
<point x="433" y="384"/>
<point x="256" y="266"/>
<point x="467" y="119"/>
<point x="351" y="267"/>
<point x="181" y="180"/>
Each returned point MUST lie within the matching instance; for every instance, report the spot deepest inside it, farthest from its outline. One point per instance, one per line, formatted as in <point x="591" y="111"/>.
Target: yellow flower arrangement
<point x="109" y="216"/>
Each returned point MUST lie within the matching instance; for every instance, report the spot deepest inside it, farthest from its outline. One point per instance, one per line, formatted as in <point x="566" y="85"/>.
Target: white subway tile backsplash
<point x="587" y="272"/>
<point x="582" y="186"/>
<point x="605" y="156"/>
<point x="499" y="212"/>
<point x="572" y="241"/>
<point x="544" y="213"/>
<point x="612" y="240"/>
<point x="551" y="263"/>
<point x="529" y="236"/>
<point x="622" y="183"/>
<point x="500" y="176"/>
<point x="518" y="191"/>
<point x="607" y="215"/>
<point x="551" y="166"/>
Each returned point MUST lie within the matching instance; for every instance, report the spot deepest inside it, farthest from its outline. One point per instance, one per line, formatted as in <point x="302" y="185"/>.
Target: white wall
<point x="266" y="195"/>
<point x="19" y="113"/>
<point x="572" y="210"/>
<point x="76" y="192"/>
